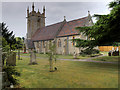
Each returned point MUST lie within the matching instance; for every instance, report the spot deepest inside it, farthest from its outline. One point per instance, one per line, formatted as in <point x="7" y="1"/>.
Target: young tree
<point x="52" y="55"/>
<point x="19" y="45"/>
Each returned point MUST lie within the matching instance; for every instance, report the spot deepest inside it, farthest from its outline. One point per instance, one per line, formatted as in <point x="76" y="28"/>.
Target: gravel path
<point x="83" y="60"/>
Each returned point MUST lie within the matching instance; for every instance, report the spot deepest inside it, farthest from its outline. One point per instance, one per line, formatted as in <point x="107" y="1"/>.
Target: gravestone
<point x="11" y="59"/>
<point x="32" y="57"/>
<point x="75" y="55"/>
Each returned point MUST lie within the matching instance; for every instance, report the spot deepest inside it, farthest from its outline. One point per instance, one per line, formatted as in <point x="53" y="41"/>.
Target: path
<point x="83" y="60"/>
<point x="90" y="60"/>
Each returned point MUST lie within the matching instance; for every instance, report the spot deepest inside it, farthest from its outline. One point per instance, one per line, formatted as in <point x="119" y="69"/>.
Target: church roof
<point x="47" y="33"/>
<point x="50" y="32"/>
<point x="69" y="27"/>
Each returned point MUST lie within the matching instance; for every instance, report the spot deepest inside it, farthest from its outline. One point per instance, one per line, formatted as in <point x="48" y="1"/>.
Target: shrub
<point x="89" y="51"/>
<point x="11" y="72"/>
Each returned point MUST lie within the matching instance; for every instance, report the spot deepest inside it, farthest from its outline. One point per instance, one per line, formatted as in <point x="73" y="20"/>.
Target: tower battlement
<point x="35" y="20"/>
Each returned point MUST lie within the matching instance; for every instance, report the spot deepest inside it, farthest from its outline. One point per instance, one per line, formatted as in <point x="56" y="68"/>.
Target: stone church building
<point x="60" y="33"/>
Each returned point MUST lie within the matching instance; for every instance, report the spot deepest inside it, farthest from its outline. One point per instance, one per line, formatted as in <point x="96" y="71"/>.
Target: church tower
<point x="35" y="20"/>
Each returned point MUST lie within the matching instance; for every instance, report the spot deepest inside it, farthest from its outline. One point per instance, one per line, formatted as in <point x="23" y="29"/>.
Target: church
<point x="61" y="33"/>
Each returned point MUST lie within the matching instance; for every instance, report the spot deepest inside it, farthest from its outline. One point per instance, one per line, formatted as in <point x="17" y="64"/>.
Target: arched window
<point x="59" y="43"/>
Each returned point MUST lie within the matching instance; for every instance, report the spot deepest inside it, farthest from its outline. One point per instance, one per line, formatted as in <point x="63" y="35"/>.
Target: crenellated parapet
<point x="35" y="20"/>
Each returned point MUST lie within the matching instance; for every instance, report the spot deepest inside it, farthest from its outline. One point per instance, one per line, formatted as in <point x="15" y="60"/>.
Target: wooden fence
<point x="107" y="48"/>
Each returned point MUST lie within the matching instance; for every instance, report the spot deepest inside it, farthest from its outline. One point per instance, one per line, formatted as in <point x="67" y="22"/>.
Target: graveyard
<point x="69" y="74"/>
<point x="73" y="53"/>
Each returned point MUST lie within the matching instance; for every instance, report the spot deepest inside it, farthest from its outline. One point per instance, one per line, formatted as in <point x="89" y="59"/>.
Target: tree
<point x="105" y="31"/>
<point x="19" y="45"/>
<point x="8" y="44"/>
<point x="8" y="36"/>
<point x="52" y="55"/>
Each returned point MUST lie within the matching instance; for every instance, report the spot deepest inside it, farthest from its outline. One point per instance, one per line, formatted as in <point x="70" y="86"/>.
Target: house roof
<point x="47" y="33"/>
<point x="50" y="32"/>
<point x="69" y="27"/>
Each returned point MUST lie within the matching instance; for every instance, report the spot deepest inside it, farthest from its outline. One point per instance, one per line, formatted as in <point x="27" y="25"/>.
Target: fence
<point x="107" y="48"/>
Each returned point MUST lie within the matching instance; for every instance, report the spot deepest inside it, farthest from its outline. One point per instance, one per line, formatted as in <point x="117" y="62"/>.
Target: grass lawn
<point x="59" y="56"/>
<point x="104" y="53"/>
<point x="70" y="74"/>
<point x="108" y="58"/>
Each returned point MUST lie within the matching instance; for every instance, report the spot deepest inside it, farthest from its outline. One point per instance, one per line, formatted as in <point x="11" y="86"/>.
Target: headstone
<point x="11" y="59"/>
<point x="14" y="58"/>
<point x="75" y="55"/>
<point x="32" y="57"/>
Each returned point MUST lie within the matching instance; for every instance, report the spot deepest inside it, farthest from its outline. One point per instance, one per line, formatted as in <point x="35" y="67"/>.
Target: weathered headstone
<point x="11" y="59"/>
<point x="32" y="57"/>
<point x="75" y="55"/>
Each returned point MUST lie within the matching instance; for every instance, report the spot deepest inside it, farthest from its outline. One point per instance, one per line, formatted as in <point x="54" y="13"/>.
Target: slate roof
<point x="50" y="32"/>
<point x="69" y="27"/>
<point x="47" y="33"/>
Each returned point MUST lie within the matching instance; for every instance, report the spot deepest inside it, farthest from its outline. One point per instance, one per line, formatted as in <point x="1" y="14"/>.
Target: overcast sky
<point x="14" y="13"/>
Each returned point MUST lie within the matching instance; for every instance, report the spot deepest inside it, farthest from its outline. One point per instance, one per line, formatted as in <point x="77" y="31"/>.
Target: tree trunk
<point x="18" y="54"/>
<point x="51" y="64"/>
<point x="24" y="48"/>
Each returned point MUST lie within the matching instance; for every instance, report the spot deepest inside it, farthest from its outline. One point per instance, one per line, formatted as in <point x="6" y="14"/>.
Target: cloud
<point x="14" y="13"/>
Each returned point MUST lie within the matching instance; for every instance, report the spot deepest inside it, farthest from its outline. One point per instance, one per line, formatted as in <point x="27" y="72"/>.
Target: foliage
<point x="105" y="31"/>
<point x="19" y="42"/>
<point x="11" y="72"/>
<point x="89" y="51"/>
<point x="5" y="46"/>
<point x="116" y="44"/>
<point x="8" y="37"/>
<point x="8" y="44"/>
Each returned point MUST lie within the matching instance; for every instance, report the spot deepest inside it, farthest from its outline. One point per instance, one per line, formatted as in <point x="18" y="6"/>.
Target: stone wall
<point x="65" y="48"/>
